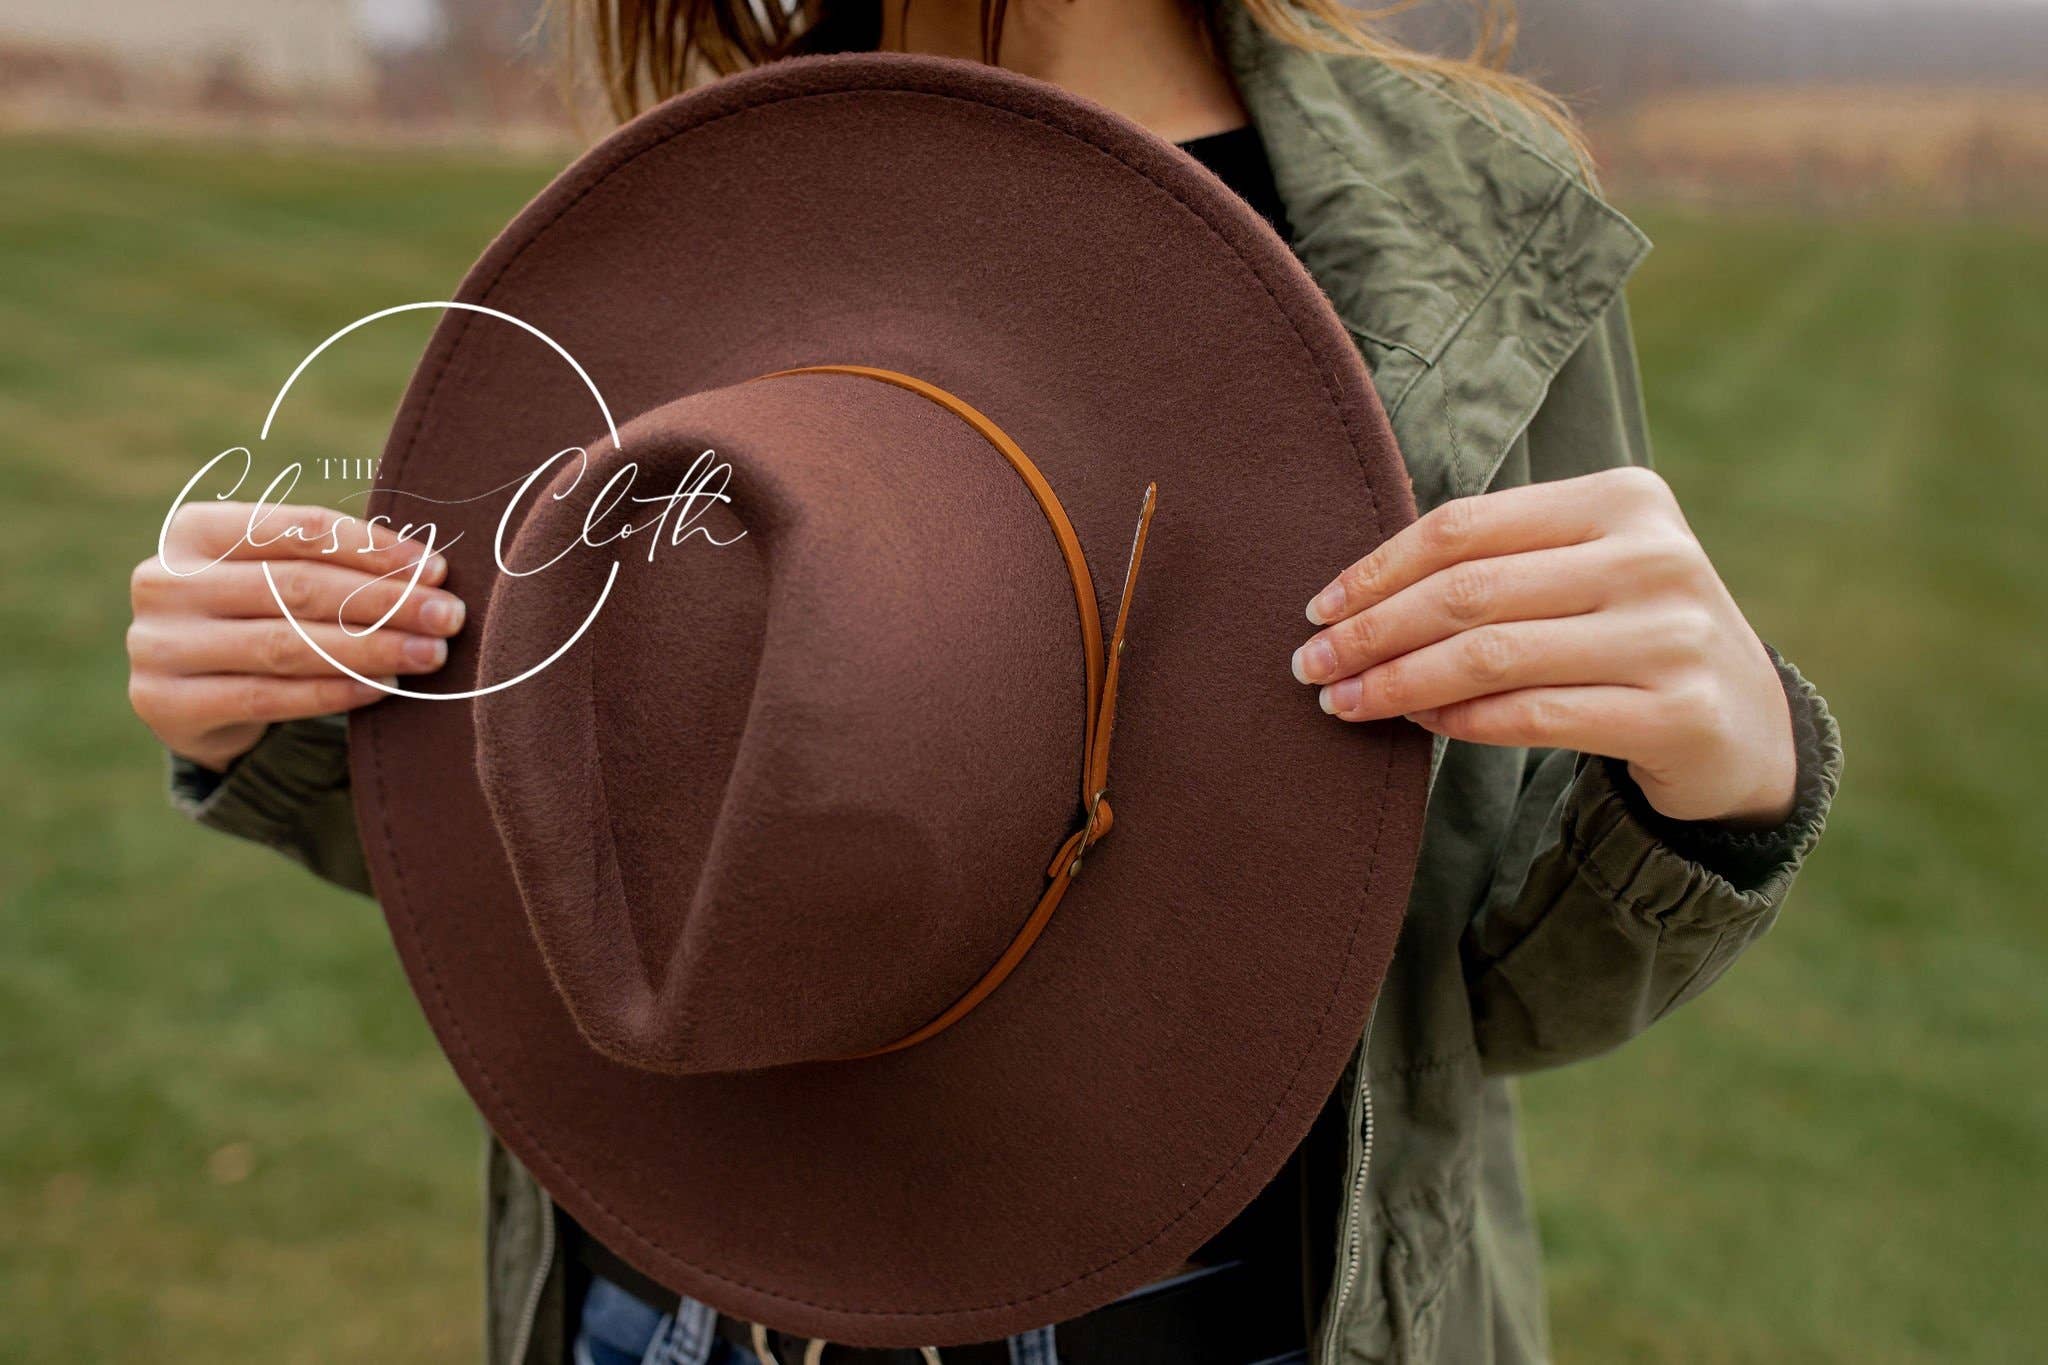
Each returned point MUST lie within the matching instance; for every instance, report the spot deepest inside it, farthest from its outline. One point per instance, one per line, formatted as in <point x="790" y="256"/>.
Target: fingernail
<point x="437" y="569"/>
<point x="1340" y="697"/>
<point x="1314" y="661"/>
<point x="444" y="614"/>
<point x="384" y="682"/>
<point x="1329" y="602"/>
<point x="425" y="651"/>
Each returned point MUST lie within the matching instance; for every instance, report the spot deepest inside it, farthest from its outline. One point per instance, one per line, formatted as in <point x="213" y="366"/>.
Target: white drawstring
<point x="814" y="1353"/>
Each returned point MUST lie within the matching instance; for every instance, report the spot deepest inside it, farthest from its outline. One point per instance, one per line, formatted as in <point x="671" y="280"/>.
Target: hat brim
<point x="1169" y="1040"/>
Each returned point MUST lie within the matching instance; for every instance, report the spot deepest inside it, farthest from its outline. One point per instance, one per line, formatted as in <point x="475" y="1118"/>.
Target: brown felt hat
<point x="752" y="921"/>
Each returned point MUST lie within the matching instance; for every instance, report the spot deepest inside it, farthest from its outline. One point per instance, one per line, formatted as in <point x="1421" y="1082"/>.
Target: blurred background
<point x="225" y="1134"/>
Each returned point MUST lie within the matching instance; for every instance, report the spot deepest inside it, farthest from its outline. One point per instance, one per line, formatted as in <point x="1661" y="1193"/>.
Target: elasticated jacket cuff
<point x="1671" y="870"/>
<point x="290" y="793"/>
<point x="1747" y="857"/>
<point x="268" y="787"/>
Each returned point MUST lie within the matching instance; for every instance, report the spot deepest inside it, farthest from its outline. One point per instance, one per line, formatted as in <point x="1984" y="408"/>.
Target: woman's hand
<point x="1580" y="614"/>
<point x="211" y="663"/>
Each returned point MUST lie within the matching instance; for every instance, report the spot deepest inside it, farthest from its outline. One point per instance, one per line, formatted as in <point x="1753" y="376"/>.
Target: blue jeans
<point x="618" y="1329"/>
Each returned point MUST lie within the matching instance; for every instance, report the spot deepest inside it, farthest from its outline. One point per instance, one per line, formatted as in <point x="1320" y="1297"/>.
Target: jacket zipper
<point x="1353" y="1231"/>
<point x="522" y="1342"/>
<point x="1354" y="1214"/>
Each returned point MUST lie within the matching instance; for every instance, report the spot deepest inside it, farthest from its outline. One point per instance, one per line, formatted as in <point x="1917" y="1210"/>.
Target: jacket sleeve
<point x="1602" y="916"/>
<point x="290" y="793"/>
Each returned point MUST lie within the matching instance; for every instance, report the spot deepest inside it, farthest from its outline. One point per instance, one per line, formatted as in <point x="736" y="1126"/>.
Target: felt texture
<point x="791" y="795"/>
<point x="766" y="790"/>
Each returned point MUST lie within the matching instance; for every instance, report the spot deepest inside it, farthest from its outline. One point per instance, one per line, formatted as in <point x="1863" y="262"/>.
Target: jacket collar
<point x="1464" y="255"/>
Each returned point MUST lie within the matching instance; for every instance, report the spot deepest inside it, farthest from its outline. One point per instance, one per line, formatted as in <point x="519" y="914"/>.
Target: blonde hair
<point x="648" y="50"/>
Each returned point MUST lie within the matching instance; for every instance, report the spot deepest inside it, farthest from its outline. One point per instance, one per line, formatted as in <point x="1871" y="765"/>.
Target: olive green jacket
<point x="1554" y="916"/>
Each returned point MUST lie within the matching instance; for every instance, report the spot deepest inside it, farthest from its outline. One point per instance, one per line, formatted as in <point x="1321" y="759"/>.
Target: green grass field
<point x="226" y="1136"/>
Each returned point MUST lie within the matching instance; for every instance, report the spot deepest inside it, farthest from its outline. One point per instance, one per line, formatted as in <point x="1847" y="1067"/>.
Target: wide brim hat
<point x="749" y="915"/>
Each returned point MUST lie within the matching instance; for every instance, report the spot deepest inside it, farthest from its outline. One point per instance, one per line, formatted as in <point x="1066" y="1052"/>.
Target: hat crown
<point x="797" y="786"/>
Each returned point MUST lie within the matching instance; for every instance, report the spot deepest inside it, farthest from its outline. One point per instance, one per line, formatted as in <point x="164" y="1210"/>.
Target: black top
<point x="1238" y="159"/>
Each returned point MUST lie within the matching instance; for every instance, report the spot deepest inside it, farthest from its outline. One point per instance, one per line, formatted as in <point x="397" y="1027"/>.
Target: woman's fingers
<point x="212" y="659"/>
<point x="201" y="706"/>
<point x="1517" y="587"/>
<point x="205" y="532"/>
<point x="1616" y="721"/>
<point x="273" y="648"/>
<point x="1608" y="647"/>
<point x="310" y="590"/>
<point x="1487" y="621"/>
<point x="1539" y="516"/>
<point x="1514" y="520"/>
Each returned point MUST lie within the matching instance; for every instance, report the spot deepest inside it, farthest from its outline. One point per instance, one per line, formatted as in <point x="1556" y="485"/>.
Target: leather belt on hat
<point x="1096" y="817"/>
